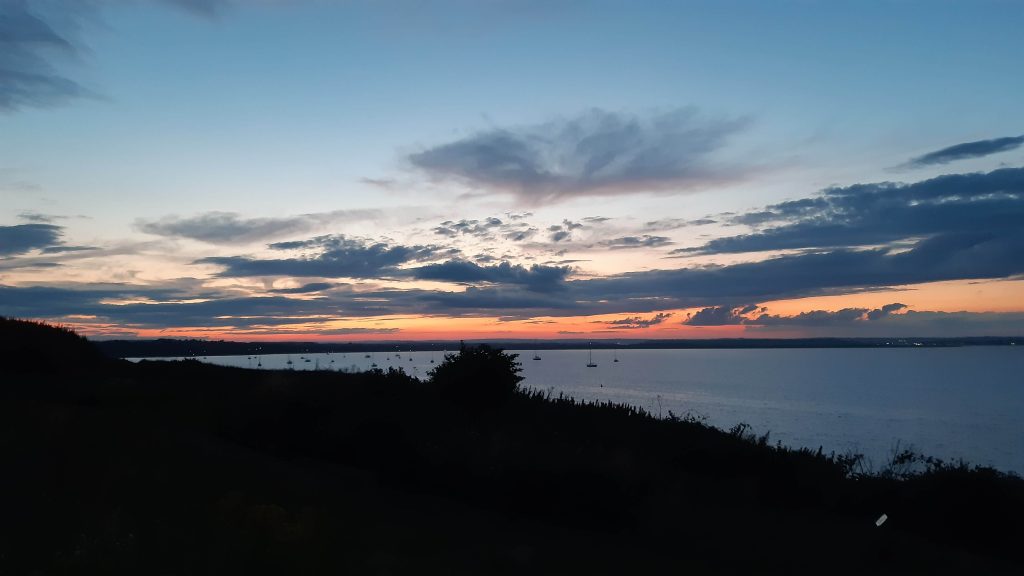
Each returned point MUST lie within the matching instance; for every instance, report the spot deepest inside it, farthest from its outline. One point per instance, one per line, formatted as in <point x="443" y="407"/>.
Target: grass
<point x="188" y="468"/>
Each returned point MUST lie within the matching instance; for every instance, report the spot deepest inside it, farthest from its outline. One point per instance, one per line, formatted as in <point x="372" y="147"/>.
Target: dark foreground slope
<point x="185" y="468"/>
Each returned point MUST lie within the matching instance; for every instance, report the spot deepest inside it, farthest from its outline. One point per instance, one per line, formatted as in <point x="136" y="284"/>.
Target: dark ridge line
<point x="186" y="348"/>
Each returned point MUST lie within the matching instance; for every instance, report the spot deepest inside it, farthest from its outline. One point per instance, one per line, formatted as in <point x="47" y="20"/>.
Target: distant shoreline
<point x="185" y="348"/>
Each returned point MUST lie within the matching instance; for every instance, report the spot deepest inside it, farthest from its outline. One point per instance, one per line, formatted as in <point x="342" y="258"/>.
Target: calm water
<point x="951" y="403"/>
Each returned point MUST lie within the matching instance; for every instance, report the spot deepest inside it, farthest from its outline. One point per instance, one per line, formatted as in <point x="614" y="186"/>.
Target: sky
<point x="397" y="170"/>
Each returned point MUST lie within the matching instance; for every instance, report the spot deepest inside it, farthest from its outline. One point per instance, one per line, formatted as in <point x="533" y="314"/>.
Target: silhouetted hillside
<point x="27" y="346"/>
<point x="188" y="468"/>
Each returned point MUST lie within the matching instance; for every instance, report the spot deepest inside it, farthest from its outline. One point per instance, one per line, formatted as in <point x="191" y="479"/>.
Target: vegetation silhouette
<point x="187" y="468"/>
<point x="478" y="377"/>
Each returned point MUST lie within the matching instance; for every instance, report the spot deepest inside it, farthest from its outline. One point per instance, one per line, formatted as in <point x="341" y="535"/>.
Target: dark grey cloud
<point x="956" y="205"/>
<point x="478" y="228"/>
<point x="336" y="257"/>
<point x="536" y="278"/>
<point x="513" y="227"/>
<point x="522" y="234"/>
<point x="30" y="48"/>
<point x="636" y="322"/>
<point x="910" y="324"/>
<point x="557" y="234"/>
<point x="816" y="318"/>
<point x="967" y="150"/>
<point x="38" y="217"/>
<point x="879" y="313"/>
<point x="232" y="228"/>
<point x="642" y="241"/>
<point x="675" y="223"/>
<point x="39" y="42"/>
<point x="304" y="289"/>
<point x="506" y="300"/>
<point x="716" y="316"/>
<point x="729" y="316"/>
<point x="51" y="302"/>
<point x="485" y="258"/>
<point x="597" y="152"/>
<point x="347" y="331"/>
<point x="563" y="231"/>
<point x="63" y="249"/>
<point x="891" y="320"/>
<point x="169" y="309"/>
<point x="22" y="238"/>
<point x="948" y="257"/>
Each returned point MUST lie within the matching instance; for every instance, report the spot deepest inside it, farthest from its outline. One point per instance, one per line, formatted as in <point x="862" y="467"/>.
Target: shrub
<point x="478" y="376"/>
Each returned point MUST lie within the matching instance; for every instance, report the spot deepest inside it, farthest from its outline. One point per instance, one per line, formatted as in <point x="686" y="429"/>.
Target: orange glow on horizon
<point x="985" y="296"/>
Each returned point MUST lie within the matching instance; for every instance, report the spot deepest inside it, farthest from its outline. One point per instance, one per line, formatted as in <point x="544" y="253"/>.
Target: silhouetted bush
<point x="478" y="376"/>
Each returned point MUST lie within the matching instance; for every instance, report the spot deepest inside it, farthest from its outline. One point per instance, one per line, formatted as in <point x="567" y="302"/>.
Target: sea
<point x="952" y="403"/>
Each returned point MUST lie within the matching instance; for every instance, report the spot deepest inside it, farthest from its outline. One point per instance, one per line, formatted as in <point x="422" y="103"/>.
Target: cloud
<point x="643" y="241"/>
<point x="675" y="223"/>
<point x="817" y="318"/>
<point x="956" y="205"/>
<point x="38" y="217"/>
<point x="346" y="331"/>
<point x="521" y="235"/>
<point x="29" y="47"/>
<point x="304" y="289"/>
<point x="730" y="316"/>
<point x="906" y="325"/>
<point x="563" y="231"/>
<point x="477" y="228"/>
<point x="595" y="153"/>
<point x="949" y="257"/>
<point x="336" y="257"/>
<point x="174" y="307"/>
<point x="536" y="278"/>
<point x="51" y="302"/>
<point x="879" y="313"/>
<point x="966" y="150"/>
<point x="22" y="238"/>
<point x="716" y="316"/>
<point x="39" y="38"/>
<point x="231" y="228"/>
<point x="63" y="249"/>
<point x="636" y="322"/>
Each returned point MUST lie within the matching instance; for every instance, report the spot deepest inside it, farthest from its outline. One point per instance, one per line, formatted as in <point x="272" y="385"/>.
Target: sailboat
<point x="616" y="357"/>
<point x="591" y="364"/>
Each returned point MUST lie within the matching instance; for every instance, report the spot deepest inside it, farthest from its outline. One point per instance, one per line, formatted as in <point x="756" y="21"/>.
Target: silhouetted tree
<point x="478" y="375"/>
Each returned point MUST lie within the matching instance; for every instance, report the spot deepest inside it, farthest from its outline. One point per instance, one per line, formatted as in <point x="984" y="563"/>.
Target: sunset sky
<point x="351" y="170"/>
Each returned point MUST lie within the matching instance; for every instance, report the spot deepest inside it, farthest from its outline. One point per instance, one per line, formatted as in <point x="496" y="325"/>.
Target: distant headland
<point x="166" y="347"/>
